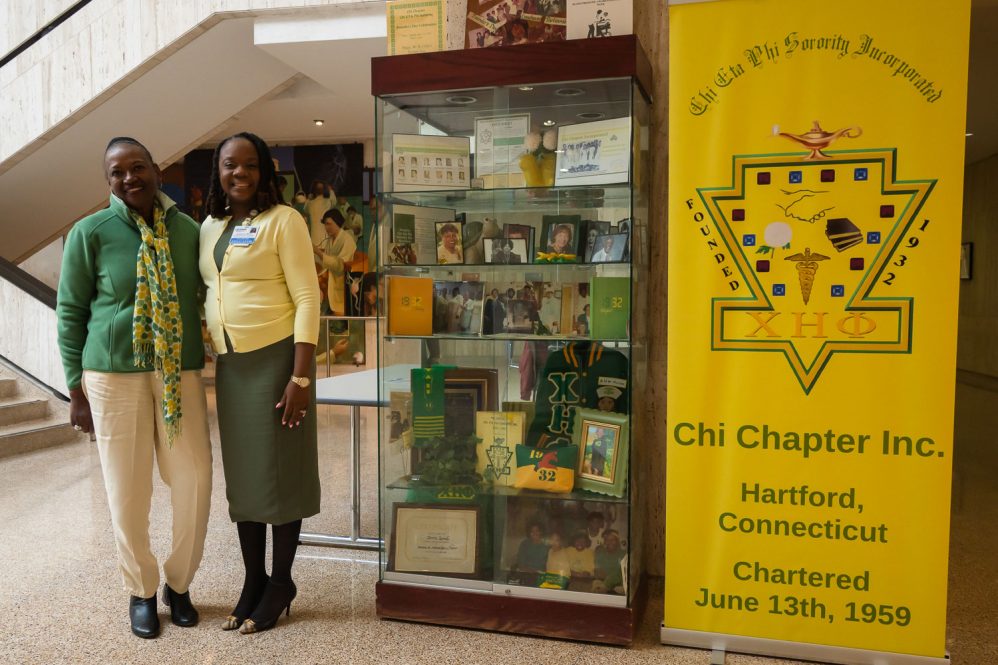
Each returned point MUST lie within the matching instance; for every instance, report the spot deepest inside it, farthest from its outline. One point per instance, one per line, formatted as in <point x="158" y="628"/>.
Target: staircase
<point x="30" y="418"/>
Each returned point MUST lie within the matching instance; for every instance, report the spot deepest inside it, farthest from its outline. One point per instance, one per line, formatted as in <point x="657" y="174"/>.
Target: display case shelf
<point x="520" y="199"/>
<point x="505" y="337"/>
<point x="530" y="409"/>
<point x="407" y="483"/>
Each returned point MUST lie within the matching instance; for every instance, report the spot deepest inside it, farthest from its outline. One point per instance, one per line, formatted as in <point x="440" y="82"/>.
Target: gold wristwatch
<point x="301" y="381"/>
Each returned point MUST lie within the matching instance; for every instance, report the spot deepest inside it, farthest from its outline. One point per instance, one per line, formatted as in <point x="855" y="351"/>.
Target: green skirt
<point x="271" y="471"/>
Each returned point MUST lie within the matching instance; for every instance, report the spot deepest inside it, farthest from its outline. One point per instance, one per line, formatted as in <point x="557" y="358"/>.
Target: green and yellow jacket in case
<point x="97" y="291"/>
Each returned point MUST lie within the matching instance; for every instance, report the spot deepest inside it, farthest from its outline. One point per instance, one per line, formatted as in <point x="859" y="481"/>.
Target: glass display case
<point x="512" y="253"/>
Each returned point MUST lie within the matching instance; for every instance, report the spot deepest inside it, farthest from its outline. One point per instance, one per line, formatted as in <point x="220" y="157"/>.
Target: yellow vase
<point x="531" y="171"/>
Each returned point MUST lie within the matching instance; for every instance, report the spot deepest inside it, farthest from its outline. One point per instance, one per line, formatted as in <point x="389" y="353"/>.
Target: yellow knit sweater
<point x="265" y="291"/>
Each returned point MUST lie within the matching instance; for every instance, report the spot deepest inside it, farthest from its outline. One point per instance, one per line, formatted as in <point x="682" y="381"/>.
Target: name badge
<point x="243" y="236"/>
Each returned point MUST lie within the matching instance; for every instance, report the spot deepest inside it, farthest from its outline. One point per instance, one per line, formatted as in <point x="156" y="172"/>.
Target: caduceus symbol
<point x="807" y="267"/>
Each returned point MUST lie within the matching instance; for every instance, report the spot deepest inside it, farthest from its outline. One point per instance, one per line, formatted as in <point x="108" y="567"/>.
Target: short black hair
<point x="268" y="194"/>
<point x="130" y="141"/>
<point x="335" y="215"/>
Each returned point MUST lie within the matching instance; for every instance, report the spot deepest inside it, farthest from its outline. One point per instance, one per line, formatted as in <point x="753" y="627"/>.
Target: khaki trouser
<point x="128" y="423"/>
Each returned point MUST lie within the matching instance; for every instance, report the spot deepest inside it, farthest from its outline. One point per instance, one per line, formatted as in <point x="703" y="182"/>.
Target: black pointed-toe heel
<point x="249" y="598"/>
<point x="276" y="599"/>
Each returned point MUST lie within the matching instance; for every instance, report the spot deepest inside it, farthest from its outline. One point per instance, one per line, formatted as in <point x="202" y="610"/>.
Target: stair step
<point x="32" y="435"/>
<point x="8" y="387"/>
<point x="17" y="409"/>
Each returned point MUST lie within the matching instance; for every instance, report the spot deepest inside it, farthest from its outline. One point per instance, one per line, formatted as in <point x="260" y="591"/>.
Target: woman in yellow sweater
<point x="262" y="311"/>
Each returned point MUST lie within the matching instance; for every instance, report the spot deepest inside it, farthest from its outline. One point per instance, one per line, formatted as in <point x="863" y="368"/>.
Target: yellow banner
<point x="816" y="152"/>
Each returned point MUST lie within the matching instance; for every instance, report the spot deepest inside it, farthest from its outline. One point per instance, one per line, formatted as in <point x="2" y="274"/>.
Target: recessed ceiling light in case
<point x="591" y="115"/>
<point x="548" y="123"/>
<point x="569" y="92"/>
<point x="319" y="122"/>
<point x="461" y="99"/>
<point x="526" y="88"/>
<point x="969" y="134"/>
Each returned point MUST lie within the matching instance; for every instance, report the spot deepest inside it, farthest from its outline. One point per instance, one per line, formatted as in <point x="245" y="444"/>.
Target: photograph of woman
<point x="129" y="331"/>
<point x="262" y="313"/>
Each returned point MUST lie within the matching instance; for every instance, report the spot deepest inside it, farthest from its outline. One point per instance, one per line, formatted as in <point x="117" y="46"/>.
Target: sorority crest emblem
<point x="812" y="245"/>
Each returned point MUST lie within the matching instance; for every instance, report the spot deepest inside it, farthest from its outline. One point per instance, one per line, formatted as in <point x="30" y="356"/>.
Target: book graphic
<point x="610" y="307"/>
<point x="410" y="306"/>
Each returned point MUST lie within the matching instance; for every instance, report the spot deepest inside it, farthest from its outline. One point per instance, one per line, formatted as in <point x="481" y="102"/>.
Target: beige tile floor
<point x="60" y="597"/>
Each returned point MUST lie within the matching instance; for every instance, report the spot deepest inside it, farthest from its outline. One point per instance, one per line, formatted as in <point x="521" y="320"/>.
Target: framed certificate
<point x="498" y="147"/>
<point x="435" y="539"/>
<point x="594" y="153"/>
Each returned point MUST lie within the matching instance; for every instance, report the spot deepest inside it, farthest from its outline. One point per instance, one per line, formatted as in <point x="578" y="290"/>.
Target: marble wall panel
<point x="69" y="77"/>
<point x="28" y="336"/>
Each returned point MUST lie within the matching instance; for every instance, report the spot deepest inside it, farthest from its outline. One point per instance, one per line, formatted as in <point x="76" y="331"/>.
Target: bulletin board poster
<point x="815" y="196"/>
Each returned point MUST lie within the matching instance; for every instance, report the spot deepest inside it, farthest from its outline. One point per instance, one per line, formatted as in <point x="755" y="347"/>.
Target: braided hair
<point x="268" y="193"/>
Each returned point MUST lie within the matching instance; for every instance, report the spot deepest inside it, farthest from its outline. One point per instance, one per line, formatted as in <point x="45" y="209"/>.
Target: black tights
<point x="253" y="542"/>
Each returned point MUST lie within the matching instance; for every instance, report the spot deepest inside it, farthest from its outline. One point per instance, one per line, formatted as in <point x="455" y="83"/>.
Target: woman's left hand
<point x="295" y="404"/>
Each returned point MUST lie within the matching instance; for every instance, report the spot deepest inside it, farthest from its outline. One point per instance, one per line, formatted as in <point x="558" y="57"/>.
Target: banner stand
<point x="797" y="650"/>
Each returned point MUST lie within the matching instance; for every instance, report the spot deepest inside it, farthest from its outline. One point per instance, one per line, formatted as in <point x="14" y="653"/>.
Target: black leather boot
<point x="182" y="612"/>
<point x="142" y="613"/>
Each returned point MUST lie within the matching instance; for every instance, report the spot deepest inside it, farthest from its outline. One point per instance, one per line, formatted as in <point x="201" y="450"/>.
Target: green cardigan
<point x="97" y="291"/>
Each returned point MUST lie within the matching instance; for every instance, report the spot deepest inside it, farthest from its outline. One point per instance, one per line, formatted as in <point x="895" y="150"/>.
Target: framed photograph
<point x="450" y="242"/>
<point x="524" y="231"/>
<point x="966" y="260"/>
<point x="624" y="226"/>
<point x="560" y="235"/>
<point x="594" y="153"/>
<point x="428" y="163"/>
<point x="609" y="248"/>
<point x="436" y="539"/>
<point x="581" y="542"/>
<point x="504" y="251"/>
<point x="587" y="243"/>
<point x="602" y="438"/>
<point x="468" y="390"/>
<point x="511" y="308"/>
<point x="457" y="307"/>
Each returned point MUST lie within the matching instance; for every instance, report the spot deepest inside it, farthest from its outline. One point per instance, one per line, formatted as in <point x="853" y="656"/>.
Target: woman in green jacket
<point x="129" y="329"/>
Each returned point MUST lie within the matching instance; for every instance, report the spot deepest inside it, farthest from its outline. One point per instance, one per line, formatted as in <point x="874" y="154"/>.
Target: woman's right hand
<point x="79" y="411"/>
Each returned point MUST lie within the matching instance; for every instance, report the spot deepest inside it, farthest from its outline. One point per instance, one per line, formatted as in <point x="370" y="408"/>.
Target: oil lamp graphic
<point x="818" y="139"/>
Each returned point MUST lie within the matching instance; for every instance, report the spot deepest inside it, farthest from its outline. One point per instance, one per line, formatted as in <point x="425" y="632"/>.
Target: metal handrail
<point x="28" y="283"/>
<point x="44" y="30"/>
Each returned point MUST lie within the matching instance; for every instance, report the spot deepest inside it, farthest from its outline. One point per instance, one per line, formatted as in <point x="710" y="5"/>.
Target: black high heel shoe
<point x="276" y="599"/>
<point x="248" y="600"/>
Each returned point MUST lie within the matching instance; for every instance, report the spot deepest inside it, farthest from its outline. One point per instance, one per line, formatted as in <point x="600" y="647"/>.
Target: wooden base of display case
<point x="508" y="614"/>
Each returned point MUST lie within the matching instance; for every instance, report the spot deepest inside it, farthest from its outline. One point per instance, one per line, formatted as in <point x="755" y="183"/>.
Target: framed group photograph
<point x="427" y="163"/>
<point x="434" y="538"/>
<point x="609" y="248"/>
<point x="602" y="440"/>
<point x="450" y="242"/>
<point x="504" y="251"/>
